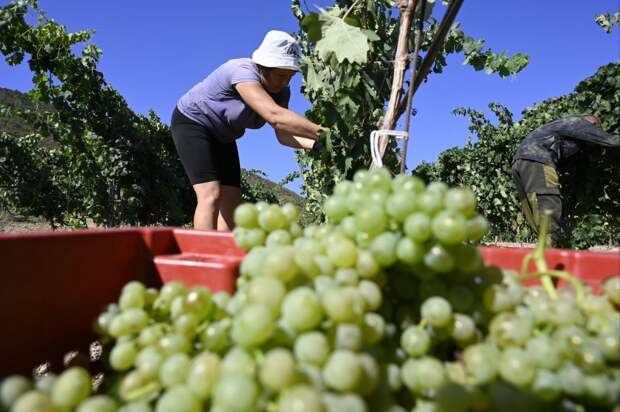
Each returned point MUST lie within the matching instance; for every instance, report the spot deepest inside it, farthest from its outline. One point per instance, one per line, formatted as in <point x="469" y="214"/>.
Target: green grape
<point x="361" y="177"/>
<point x="279" y="237"/>
<point x="300" y="398"/>
<point x="430" y="202"/>
<point x="272" y="219"/>
<point x="312" y="347"/>
<point x="215" y="337"/>
<point x="611" y="287"/>
<point x="171" y="290"/>
<point x="174" y="369"/>
<point x="237" y="361"/>
<point x="203" y="374"/>
<point x="291" y="212"/>
<point x="591" y="359"/>
<point x="137" y="406"/>
<point x="467" y="258"/>
<point x="436" y="311"/>
<point x="342" y="371"/>
<point x="99" y="403"/>
<point x="371" y="293"/>
<point x="373" y="328"/>
<point x="254" y="237"/>
<point x="418" y="227"/>
<point x="399" y="205"/>
<point x="343" y="187"/>
<point x="348" y="225"/>
<point x="342" y="252"/>
<point x="516" y="367"/>
<point x="439" y="259"/>
<point x="123" y="355"/>
<point x="544" y="352"/>
<point x="71" y="387"/>
<point x="45" y="383"/>
<point x="383" y="248"/>
<point x="151" y="334"/>
<point x="497" y="298"/>
<point x="174" y="343"/>
<point x="342" y="304"/>
<point x="33" y="401"/>
<point x="370" y="375"/>
<point x="148" y="361"/>
<point x="477" y="228"/>
<point x="415" y="341"/>
<point x="348" y="336"/>
<point x="12" y="388"/>
<point x="408" y="183"/>
<point x="423" y="374"/>
<point x="370" y="219"/>
<point x="186" y="324"/>
<point x="463" y="329"/>
<point x="546" y="385"/>
<point x="301" y="309"/>
<point x="596" y="387"/>
<point x="252" y="262"/>
<point x="346" y="277"/>
<point x="278" y="369"/>
<point x="571" y="379"/>
<point x="178" y="398"/>
<point x="254" y="325"/>
<point x="246" y="216"/>
<point x="133" y="295"/>
<point x="322" y="283"/>
<point x="336" y="209"/>
<point x="609" y="343"/>
<point x="461" y="200"/>
<point x="199" y="302"/>
<point x="295" y="230"/>
<point x="356" y="199"/>
<point x="449" y="228"/>
<point x="279" y="262"/>
<point x="236" y="393"/>
<point x="134" y="320"/>
<point x="508" y="329"/>
<point x="380" y="179"/>
<point x="409" y="251"/>
<point x="481" y="362"/>
<point x="268" y="291"/>
<point x="367" y="265"/>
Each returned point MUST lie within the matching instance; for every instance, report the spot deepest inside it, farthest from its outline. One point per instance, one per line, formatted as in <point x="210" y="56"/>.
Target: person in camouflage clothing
<point x="537" y="160"/>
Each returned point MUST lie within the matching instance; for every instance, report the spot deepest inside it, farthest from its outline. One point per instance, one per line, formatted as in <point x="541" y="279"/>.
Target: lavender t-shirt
<point x="216" y="104"/>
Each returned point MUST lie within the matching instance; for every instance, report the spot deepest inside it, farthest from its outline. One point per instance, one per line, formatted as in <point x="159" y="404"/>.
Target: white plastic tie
<point x="374" y="142"/>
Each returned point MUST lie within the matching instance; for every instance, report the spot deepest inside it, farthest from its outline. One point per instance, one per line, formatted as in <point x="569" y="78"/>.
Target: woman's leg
<point x="230" y="198"/>
<point x="208" y="196"/>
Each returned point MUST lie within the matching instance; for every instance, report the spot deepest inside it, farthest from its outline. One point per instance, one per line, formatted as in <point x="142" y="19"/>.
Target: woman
<point x="240" y="94"/>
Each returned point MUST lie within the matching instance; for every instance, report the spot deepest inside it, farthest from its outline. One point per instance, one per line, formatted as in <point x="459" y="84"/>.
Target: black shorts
<point x="204" y="158"/>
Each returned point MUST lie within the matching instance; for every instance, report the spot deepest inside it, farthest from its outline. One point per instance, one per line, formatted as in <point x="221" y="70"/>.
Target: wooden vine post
<point x="397" y="103"/>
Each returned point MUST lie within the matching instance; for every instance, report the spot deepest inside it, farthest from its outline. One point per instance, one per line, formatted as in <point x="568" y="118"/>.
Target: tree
<point x="591" y="197"/>
<point x="348" y="54"/>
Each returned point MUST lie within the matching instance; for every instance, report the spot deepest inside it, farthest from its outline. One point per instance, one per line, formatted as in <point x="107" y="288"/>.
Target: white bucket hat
<point x="278" y="49"/>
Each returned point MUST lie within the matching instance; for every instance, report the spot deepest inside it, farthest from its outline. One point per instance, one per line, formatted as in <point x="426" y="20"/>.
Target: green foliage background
<point x="348" y="65"/>
<point x="590" y="184"/>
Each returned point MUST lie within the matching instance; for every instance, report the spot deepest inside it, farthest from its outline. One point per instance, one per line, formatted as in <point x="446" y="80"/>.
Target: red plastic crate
<point x="54" y="284"/>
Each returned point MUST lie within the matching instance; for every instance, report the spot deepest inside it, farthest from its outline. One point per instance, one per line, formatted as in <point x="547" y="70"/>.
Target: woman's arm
<point x="280" y="118"/>
<point x="296" y="142"/>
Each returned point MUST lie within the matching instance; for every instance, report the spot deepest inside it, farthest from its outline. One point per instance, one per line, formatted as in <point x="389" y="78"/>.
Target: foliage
<point x="607" y="21"/>
<point x="590" y="184"/>
<point x="348" y="52"/>
<point x="87" y="154"/>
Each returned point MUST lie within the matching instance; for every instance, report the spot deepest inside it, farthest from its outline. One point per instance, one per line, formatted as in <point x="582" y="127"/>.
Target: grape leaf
<point x="344" y="41"/>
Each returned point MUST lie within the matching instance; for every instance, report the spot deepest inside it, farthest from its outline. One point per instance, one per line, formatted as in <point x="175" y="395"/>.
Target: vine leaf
<point x="343" y="41"/>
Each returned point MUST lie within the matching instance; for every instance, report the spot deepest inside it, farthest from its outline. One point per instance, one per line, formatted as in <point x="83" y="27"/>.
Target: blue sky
<point x="155" y="50"/>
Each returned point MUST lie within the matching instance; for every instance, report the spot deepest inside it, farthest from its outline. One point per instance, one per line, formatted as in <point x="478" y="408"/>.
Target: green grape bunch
<point x="386" y="307"/>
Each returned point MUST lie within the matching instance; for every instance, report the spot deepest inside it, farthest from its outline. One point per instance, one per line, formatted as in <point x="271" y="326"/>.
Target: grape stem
<point x="538" y="256"/>
<point x="561" y="275"/>
<point x="543" y="272"/>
